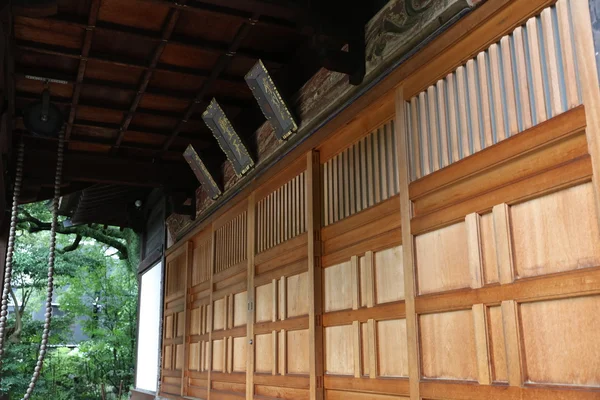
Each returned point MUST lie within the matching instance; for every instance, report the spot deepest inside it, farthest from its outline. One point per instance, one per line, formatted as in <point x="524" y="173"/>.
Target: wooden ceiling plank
<point x="87" y="44"/>
<point x="221" y="65"/>
<point x="218" y="8"/>
<point x="69" y="53"/>
<point x="167" y="31"/>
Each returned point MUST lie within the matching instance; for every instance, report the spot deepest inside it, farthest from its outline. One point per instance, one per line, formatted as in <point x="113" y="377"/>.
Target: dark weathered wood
<point x="87" y="44"/>
<point x="86" y="167"/>
<point x="221" y="65"/>
<point x="167" y="31"/>
<point x="117" y="60"/>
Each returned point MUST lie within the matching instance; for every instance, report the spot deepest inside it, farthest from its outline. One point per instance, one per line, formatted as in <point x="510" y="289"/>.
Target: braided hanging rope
<point x="11" y="246"/>
<point x="51" y="258"/>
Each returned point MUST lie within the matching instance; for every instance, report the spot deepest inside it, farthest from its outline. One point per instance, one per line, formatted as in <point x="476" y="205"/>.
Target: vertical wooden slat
<point x="415" y="138"/>
<point x="369" y="279"/>
<point x="524" y="88"/>
<point x="391" y="158"/>
<point x="283" y="352"/>
<point x="376" y="167"/>
<point x="414" y="371"/>
<point x="230" y="355"/>
<point x="335" y="190"/>
<point x="552" y="62"/>
<point x="433" y="131"/>
<point x="315" y="327"/>
<point x="283" y="298"/>
<point x="472" y="222"/>
<point x="357" y="176"/>
<point x="274" y="300"/>
<point x="372" y="349"/>
<point x="275" y="352"/>
<point x="326" y="193"/>
<point x="586" y="63"/>
<point x="424" y="134"/>
<point x="496" y="89"/>
<point x="383" y="163"/>
<point x="512" y="340"/>
<point x="370" y="180"/>
<point x="481" y="344"/>
<point x="357" y="349"/>
<point x="536" y="71"/>
<point x="452" y="119"/>
<point x="351" y="180"/>
<point x="230" y="312"/>
<point x="473" y="106"/>
<point x="503" y="243"/>
<point x="364" y="181"/>
<point x="463" y="131"/>
<point x="509" y="86"/>
<point x="250" y="298"/>
<point x="355" y="283"/>
<point x="486" y="115"/>
<point x="568" y="54"/>
<point x="442" y="112"/>
<point x="346" y="180"/>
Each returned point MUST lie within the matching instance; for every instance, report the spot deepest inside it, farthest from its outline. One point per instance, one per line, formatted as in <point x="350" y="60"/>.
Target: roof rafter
<point x="222" y="63"/>
<point x="169" y="26"/>
<point x="87" y="44"/>
<point x="121" y="61"/>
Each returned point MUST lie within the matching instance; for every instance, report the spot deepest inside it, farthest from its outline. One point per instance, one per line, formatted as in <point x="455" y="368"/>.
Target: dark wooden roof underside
<point x="137" y="74"/>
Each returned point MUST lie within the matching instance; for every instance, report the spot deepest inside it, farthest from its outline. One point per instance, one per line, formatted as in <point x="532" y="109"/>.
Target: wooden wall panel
<point x="296" y="302"/>
<point x="555" y="233"/>
<point x="522" y="80"/>
<point x="389" y="275"/>
<point x="560" y="341"/>
<point x="338" y="287"/>
<point x="339" y="350"/>
<point x="448" y="345"/>
<point x="263" y="358"/>
<point x="297" y="357"/>
<point x="442" y="259"/>
<point x="392" y="357"/>
<point x="361" y="176"/>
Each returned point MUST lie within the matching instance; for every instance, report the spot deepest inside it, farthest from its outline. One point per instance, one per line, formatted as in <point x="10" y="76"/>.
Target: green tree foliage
<point x="96" y="281"/>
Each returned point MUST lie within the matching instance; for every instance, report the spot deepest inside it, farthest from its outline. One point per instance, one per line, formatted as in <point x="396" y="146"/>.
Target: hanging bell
<point x="43" y="118"/>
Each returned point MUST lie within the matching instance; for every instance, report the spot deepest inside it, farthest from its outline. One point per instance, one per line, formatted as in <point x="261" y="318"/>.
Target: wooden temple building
<point x="345" y="200"/>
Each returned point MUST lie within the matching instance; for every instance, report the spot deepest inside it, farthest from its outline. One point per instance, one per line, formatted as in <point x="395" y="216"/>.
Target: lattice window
<point x="526" y="78"/>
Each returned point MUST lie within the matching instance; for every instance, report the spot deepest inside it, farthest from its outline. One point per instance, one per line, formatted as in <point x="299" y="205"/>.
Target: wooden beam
<point x="121" y="61"/>
<point x="220" y="66"/>
<point x="169" y="26"/>
<point x="86" y="167"/>
<point x="85" y="52"/>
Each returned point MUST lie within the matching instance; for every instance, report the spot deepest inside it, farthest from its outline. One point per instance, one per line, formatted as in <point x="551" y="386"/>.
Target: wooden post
<point x="588" y="75"/>
<point x="407" y="248"/>
<point x="250" y="297"/>
<point x="315" y="326"/>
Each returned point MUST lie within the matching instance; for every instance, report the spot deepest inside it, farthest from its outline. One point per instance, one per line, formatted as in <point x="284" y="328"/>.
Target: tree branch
<point x="73" y="246"/>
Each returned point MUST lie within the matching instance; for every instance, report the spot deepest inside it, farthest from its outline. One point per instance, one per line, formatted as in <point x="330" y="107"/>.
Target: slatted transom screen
<point x="360" y="176"/>
<point x="281" y="215"/>
<point x="526" y="78"/>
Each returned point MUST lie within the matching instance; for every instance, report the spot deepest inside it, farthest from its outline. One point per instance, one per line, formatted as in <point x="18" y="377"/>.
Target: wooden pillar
<point x="250" y="297"/>
<point x="407" y="247"/>
<point x="315" y="326"/>
<point x="588" y="76"/>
